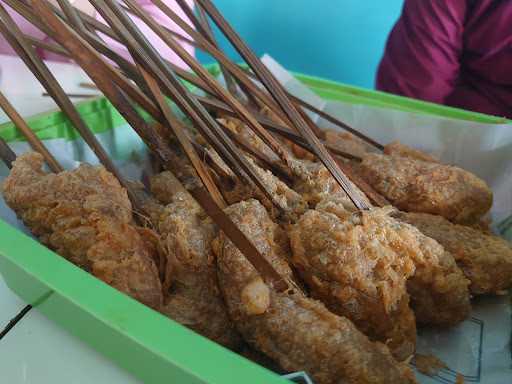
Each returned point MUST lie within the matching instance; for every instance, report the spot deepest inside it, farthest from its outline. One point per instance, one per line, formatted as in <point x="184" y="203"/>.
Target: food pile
<point x="360" y="282"/>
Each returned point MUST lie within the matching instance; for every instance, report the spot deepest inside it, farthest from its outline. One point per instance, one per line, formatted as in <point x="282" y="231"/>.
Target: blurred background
<point x="342" y="40"/>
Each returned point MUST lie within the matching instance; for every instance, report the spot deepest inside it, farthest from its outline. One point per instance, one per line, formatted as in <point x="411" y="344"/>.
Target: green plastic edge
<point x="147" y="344"/>
<point x="137" y="338"/>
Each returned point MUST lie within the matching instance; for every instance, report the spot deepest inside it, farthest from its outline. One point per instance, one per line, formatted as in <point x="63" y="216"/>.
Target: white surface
<point x="36" y="350"/>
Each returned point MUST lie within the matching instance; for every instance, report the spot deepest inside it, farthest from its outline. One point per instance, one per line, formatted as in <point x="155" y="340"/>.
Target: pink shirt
<point x="160" y="46"/>
<point x="454" y="52"/>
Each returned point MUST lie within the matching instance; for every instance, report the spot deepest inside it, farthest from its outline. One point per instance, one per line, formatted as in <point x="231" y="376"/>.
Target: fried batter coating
<point x="346" y="142"/>
<point x="419" y="186"/>
<point x="247" y="134"/>
<point x="486" y="260"/>
<point x="164" y="186"/>
<point x="315" y="183"/>
<point x="194" y="299"/>
<point x="86" y="217"/>
<point x="396" y="148"/>
<point x="297" y="332"/>
<point x="358" y="266"/>
<point x="290" y="201"/>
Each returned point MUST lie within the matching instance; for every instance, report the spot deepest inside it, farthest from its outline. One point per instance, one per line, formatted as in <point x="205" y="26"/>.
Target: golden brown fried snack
<point x="358" y="265"/>
<point x="164" y="186"/>
<point x="346" y="142"/>
<point x="297" y="332"/>
<point x="247" y="135"/>
<point x="86" y="217"/>
<point x="396" y="148"/>
<point x="486" y="260"/>
<point x="194" y="299"/>
<point x="292" y="203"/>
<point x="315" y="183"/>
<point x="419" y="186"/>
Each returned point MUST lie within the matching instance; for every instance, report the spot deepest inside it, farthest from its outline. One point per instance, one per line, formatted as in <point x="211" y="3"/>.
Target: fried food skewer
<point x="86" y="217"/>
<point x="420" y="186"/>
<point x="191" y="292"/>
<point x="358" y="266"/>
<point x="298" y="332"/>
<point x="486" y="260"/>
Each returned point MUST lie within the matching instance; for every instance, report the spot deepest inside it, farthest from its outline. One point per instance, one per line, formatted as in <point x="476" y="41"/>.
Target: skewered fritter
<point x="86" y="217"/>
<point x="298" y="332"/>
<point x="358" y="265"/>
<point x="486" y="260"/>
<point x="194" y="299"/>
<point x="420" y="186"/>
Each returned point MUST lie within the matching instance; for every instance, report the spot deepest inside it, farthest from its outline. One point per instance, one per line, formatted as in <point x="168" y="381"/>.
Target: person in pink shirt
<point x="86" y="7"/>
<point x="453" y="52"/>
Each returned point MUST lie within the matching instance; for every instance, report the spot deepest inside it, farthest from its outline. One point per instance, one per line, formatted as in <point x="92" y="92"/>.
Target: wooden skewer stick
<point x="227" y="97"/>
<point x="75" y="95"/>
<point x="208" y="34"/>
<point x="6" y="154"/>
<point x="138" y="44"/>
<point x="95" y="69"/>
<point x="234" y="69"/>
<point x="326" y="116"/>
<point x="179" y="131"/>
<point x="215" y="53"/>
<point x="31" y="137"/>
<point x="134" y="93"/>
<point x="88" y="85"/>
<point x="218" y="106"/>
<point x="279" y="95"/>
<point x="15" y="37"/>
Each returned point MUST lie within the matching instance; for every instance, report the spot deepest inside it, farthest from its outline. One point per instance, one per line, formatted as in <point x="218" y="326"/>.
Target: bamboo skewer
<point x="138" y="44"/>
<point x="94" y="67"/>
<point x="179" y="132"/>
<point x="15" y="37"/>
<point x="6" y="154"/>
<point x="212" y="83"/>
<point x="216" y="105"/>
<point x="31" y="137"/>
<point x="327" y="117"/>
<point x="208" y="33"/>
<point x="218" y="56"/>
<point x="275" y="89"/>
<point x="234" y="69"/>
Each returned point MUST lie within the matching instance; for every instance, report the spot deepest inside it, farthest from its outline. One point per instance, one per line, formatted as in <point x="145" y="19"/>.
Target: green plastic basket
<point x="147" y="344"/>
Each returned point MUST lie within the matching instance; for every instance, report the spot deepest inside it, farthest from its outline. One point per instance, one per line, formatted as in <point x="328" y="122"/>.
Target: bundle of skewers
<point x="298" y="247"/>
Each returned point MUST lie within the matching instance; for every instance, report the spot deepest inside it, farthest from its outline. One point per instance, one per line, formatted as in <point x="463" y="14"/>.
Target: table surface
<point x="36" y="350"/>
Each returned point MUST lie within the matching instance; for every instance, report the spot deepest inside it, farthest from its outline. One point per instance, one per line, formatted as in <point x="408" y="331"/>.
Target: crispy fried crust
<point x="486" y="260"/>
<point x="358" y="266"/>
<point x="247" y="134"/>
<point x="396" y="148"/>
<point x="291" y="203"/>
<point x="164" y="186"/>
<point x="194" y="299"/>
<point x="315" y="183"/>
<point x="298" y="332"/>
<point x="346" y="142"/>
<point x="86" y="217"/>
<point x="419" y="186"/>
